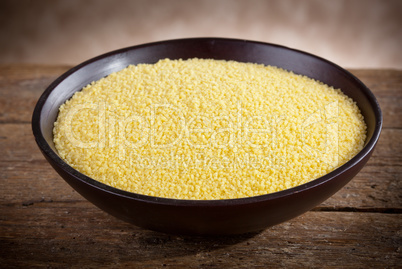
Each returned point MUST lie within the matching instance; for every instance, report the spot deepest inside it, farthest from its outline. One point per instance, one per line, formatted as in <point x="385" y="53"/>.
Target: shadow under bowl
<point x="230" y="216"/>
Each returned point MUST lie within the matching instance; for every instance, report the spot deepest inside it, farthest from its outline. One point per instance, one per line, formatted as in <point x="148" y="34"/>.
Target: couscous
<point x="207" y="129"/>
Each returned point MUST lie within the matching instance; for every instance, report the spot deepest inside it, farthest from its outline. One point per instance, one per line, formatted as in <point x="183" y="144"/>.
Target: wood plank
<point x="387" y="87"/>
<point x="384" y="82"/>
<point x="21" y="86"/>
<point x="17" y="143"/>
<point x="18" y="72"/>
<point x="374" y="188"/>
<point x="79" y="235"/>
<point x="32" y="182"/>
<point x="391" y="108"/>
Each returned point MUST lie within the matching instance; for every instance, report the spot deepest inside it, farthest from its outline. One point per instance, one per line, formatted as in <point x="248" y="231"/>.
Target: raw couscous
<point x="207" y="129"/>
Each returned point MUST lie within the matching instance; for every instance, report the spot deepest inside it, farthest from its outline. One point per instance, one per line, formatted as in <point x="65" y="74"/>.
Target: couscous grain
<point x="207" y="129"/>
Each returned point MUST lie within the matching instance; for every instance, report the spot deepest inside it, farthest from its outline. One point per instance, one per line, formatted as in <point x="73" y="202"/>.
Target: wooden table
<point x="44" y="222"/>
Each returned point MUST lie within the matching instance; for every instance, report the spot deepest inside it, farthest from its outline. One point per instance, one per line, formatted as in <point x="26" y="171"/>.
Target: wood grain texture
<point x="20" y="88"/>
<point x="78" y="235"/>
<point x="45" y="223"/>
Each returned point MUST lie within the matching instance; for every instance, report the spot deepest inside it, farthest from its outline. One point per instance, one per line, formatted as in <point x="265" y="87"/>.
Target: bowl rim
<point x="49" y="153"/>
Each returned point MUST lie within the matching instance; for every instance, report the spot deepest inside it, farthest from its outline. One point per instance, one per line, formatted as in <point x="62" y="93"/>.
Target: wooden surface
<point x="45" y="223"/>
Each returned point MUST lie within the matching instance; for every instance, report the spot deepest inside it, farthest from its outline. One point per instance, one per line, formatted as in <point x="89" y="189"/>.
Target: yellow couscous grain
<point x="207" y="129"/>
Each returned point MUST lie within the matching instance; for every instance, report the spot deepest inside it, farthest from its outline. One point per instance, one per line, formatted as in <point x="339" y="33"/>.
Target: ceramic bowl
<point x="231" y="216"/>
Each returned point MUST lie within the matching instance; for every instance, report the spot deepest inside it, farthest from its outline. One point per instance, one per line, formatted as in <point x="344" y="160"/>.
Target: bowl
<point x="213" y="217"/>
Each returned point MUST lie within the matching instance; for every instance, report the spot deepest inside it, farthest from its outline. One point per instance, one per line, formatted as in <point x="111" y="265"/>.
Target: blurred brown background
<point x="351" y="33"/>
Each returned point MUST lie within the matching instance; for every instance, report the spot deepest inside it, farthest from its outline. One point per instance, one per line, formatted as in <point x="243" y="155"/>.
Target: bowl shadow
<point x="156" y="245"/>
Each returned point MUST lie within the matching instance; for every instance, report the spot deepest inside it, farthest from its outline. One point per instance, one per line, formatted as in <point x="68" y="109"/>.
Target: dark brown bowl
<point x="231" y="216"/>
